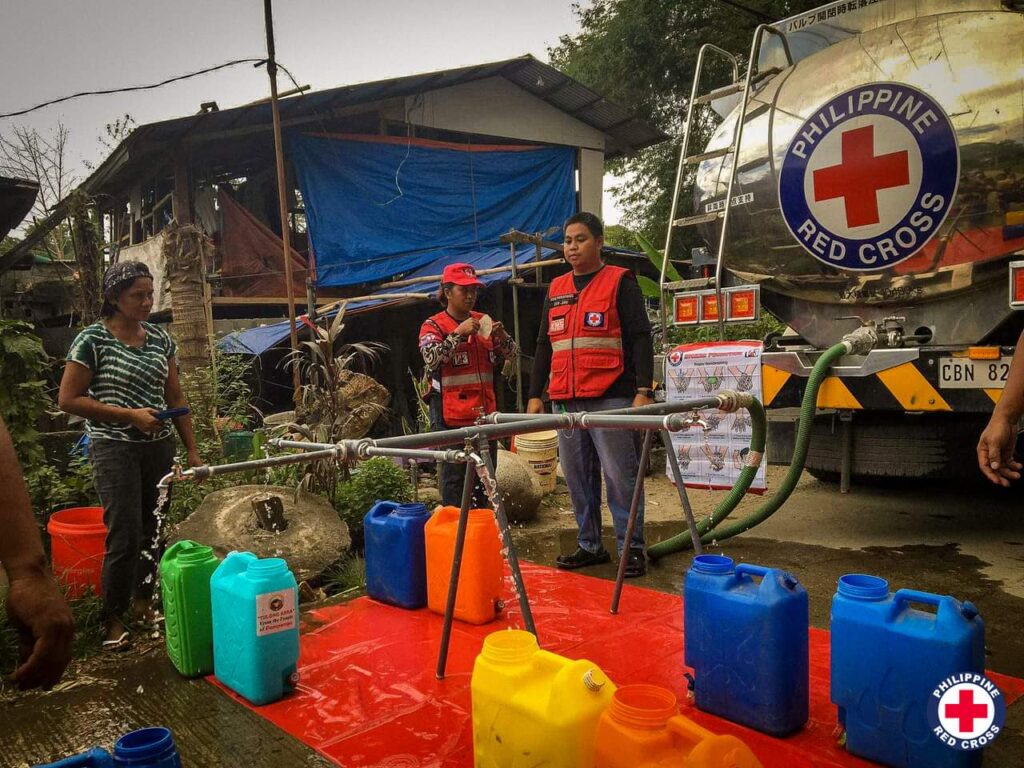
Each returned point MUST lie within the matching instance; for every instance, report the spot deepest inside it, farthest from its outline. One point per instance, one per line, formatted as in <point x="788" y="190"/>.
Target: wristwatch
<point x="645" y="391"/>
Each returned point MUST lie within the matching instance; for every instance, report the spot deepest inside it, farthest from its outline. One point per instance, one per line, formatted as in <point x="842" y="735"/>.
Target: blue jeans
<point x="583" y="454"/>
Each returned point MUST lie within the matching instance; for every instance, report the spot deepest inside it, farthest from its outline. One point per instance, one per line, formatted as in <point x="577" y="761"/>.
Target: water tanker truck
<point x="874" y="162"/>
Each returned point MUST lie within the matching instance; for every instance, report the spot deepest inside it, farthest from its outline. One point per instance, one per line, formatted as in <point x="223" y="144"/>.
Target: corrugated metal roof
<point x="625" y="133"/>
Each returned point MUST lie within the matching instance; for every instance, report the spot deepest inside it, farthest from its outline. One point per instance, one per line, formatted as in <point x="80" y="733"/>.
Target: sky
<point x="52" y="48"/>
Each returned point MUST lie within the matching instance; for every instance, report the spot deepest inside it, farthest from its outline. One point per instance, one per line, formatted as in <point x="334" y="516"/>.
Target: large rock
<point x="519" y="487"/>
<point x="315" y="538"/>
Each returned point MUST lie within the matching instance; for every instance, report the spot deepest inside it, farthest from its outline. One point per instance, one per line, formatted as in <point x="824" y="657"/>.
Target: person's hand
<point x="194" y="459"/>
<point x="639" y="400"/>
<point x="535" y="405"/>
<point x="498" y="332"/>
<point x="45" y="627"/>
<point x="995" y="451"/>
<point x="468" y="327"/>
<point x="145" y="420"/>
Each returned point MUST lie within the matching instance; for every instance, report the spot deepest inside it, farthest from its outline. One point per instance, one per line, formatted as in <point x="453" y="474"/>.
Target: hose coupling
<point x="860" y="341"/>
<point x="730" y="401"/>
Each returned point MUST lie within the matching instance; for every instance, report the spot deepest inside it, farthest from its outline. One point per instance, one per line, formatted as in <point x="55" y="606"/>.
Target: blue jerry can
<point x="887" y="659"/>
<point x="396" y="565"/>
<point x="746" y="641"/>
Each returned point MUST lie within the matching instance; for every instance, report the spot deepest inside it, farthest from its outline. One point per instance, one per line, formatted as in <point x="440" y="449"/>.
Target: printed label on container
<point x="275" y="612"/>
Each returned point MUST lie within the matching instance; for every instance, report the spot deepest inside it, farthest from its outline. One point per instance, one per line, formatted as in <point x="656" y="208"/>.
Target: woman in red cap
<point x="461" y="349"/>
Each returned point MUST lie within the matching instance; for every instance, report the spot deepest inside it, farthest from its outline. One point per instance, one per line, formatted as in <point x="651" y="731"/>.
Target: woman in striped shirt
<point x="121" y="373"/>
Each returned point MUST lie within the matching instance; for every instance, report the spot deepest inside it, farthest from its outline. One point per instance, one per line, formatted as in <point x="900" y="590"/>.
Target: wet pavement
<point x="948" y="540"/>
<point x="139" y="691"/>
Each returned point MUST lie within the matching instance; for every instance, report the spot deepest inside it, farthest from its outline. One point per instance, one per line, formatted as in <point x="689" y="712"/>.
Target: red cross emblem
<point x="965" y="711"/>
<point x="859" y="177"/>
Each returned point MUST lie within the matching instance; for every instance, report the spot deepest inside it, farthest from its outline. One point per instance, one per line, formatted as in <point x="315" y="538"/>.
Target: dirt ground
<point x="945" y="539"/>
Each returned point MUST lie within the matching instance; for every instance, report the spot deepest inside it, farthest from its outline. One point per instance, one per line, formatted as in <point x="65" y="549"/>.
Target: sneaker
<point x="582" y="559"/>
<point x="636" y="565"/>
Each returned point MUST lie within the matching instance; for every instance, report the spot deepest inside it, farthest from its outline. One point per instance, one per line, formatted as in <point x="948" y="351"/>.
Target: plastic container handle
<point x="384" y="508"/>
<point x="96" y="757"/>
<point x="753" y="570"/>
<point x="913" y="596"/>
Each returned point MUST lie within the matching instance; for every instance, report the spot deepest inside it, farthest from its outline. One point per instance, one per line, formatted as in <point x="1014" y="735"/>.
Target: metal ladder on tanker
<point x="744" y="86"/>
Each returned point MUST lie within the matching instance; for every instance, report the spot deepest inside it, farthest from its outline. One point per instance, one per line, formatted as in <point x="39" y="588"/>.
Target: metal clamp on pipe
<point x="860" y="341"/>
<point x="730" y="401"/>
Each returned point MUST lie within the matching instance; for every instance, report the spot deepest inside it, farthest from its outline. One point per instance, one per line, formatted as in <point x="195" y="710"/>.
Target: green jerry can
<point x="185" y="571"/>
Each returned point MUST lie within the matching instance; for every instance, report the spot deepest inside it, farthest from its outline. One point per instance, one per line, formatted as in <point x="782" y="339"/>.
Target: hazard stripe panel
<point x="912" y="389"/>
<point x="835" y="394"/>
<point x="772" y="380"/>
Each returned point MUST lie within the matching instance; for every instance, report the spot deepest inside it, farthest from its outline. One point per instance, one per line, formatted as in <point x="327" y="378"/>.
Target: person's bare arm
<point x="175" y="398"/>
<point x="74" y="398"/>
<point x="995" y="447"/>
<point x="35" y="605"/>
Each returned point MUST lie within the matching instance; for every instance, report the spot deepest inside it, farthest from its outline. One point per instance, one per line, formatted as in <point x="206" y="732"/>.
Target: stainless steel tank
<point x="966" y="59"/>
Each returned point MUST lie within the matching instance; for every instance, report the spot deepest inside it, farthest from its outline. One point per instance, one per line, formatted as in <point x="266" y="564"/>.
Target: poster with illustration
<point x="712" y="455"/>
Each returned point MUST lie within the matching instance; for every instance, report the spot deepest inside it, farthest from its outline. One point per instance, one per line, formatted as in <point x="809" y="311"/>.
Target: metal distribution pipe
<point x="208" y="470"/>
<point x="362" y="449"/>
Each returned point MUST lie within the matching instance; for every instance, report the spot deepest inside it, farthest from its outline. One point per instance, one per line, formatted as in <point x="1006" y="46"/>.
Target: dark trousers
<point x="126" y="475"/>
<point x="450" y="477"/>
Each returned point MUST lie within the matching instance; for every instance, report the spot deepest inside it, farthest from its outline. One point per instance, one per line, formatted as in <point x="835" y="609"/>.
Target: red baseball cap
<point x="460" y="274"/>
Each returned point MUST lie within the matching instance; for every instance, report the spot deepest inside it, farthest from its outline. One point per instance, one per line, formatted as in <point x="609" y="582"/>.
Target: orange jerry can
<point x="642" y="728"/>
<point x="482" y="571"/>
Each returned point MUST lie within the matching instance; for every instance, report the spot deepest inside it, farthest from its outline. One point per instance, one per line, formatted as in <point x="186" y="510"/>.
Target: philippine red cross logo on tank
<point x="870" y="176"/>
<point x="594" y="319"/>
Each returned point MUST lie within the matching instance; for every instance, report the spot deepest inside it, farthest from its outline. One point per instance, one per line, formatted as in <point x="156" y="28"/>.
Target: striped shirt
<point x="124" y="376"/>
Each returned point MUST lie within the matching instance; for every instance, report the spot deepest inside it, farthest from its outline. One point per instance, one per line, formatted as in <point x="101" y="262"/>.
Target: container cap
<point x="411" y="510"/>
<point x="860" y="586"/>
<point x="714" y="564"/>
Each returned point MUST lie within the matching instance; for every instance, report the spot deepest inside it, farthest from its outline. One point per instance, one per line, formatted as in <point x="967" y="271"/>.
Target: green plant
<point x="217" y="394"/>
<point x="23" y="399"/>
<point x="375" y="480"/>
<point x="346" y="575"/>
<point x="733" y="332"/>
<point x="336" y="402"/>
<point x="49" y="490"/>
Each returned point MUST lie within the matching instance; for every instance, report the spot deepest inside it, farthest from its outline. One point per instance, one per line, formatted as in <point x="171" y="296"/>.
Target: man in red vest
<point x="461" y="355"/>
<point x="594" y="353"/>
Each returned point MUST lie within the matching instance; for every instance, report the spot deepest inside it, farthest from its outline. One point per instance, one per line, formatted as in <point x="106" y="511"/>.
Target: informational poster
<point x="713" y="453"/>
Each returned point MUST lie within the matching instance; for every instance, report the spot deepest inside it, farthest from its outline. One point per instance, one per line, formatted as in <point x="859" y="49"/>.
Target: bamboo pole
<point x="268" y="14"/>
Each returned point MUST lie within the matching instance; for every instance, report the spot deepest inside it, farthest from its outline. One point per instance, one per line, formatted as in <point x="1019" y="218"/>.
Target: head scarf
<point x="118" y="277"/>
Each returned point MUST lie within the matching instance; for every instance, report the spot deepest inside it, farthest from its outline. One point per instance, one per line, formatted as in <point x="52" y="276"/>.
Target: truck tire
<point x="892" y="446"/>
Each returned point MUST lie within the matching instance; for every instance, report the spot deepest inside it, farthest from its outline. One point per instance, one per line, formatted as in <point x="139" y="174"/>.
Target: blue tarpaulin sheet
<point x="255" y="341"/>
<point x="381" y="206"/>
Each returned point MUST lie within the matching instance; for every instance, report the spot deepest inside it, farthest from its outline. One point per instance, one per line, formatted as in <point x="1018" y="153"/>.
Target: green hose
<point x="707" y="527"/>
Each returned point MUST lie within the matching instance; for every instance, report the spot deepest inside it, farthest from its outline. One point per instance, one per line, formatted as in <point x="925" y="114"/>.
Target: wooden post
<point x="282" y="200"/>
<point x="181" y="200"/>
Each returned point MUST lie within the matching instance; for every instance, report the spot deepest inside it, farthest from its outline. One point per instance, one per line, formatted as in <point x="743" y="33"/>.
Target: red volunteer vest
<point x="585" y="334"/>
<point x="467" y="379"/>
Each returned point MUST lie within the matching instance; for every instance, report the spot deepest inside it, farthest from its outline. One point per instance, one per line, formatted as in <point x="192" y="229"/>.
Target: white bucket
<point x="540" y="450"/>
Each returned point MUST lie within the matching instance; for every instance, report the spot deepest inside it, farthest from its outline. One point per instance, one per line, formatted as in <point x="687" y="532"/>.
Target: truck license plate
<point x="963" y="373"/>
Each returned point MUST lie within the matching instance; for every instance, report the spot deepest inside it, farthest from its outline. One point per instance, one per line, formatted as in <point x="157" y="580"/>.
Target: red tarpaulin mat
<point x="368" y="695"/>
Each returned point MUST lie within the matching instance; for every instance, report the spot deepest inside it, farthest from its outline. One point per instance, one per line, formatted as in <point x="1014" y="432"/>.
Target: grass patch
<point x="345" y="575"/>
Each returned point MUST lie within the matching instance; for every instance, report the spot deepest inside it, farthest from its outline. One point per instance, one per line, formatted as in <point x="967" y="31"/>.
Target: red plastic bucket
<point x="77" y="543"/>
